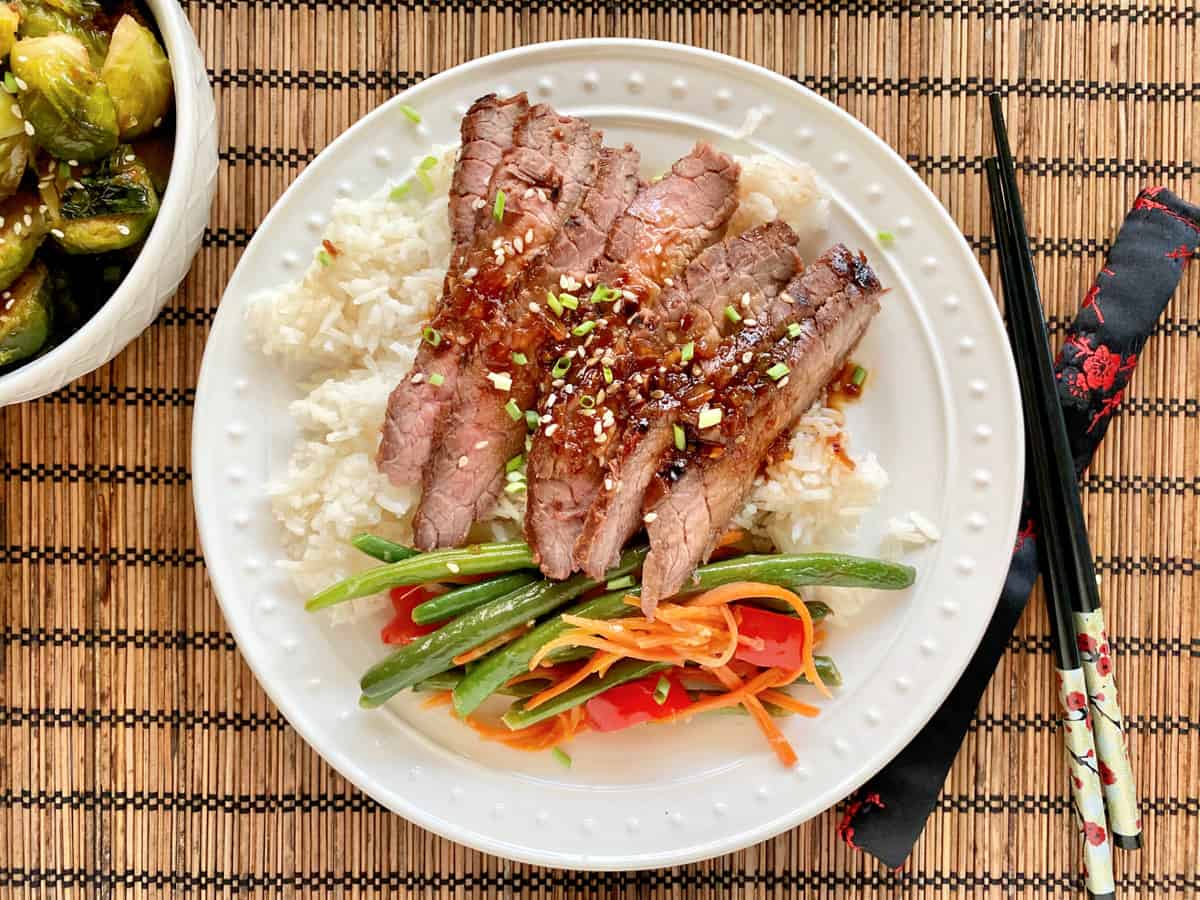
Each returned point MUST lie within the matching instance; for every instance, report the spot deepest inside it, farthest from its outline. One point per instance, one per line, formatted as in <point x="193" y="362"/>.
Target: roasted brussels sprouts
<point x="16" y="146"/>
<point x="22" y="230"/>
<point x="25" y="315"/>
<point x="66" y="105"/>
<point x="108" y="210"/>
<point x="138" y="76"/>
<point x="39" y="20"/>
<point x="156" y="153"/>
<point x="10" y="21"/>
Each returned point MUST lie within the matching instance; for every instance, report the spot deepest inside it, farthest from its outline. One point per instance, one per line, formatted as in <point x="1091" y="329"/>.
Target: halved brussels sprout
<point x="39" y="20"/>
<point x="25" y="315"/>
<point x="22" y="230"/>
<point x="108" y="210"/>
<point x="157" y="152"/>
<point x="16" y="147"/>
<point x="138" y="75"/>
<point x="10" y="21"/>
<point x="66" y="105"/>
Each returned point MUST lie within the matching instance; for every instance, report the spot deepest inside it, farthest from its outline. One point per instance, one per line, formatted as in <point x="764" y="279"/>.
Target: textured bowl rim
<point x="46" y="373"/>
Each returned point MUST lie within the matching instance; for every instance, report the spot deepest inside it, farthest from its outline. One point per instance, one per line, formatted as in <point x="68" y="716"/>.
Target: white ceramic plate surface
<point x="942" y="414"/>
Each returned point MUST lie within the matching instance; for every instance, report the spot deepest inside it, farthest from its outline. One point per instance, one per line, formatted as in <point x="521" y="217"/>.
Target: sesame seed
<point x="462" y="462"/>
<point x="628" y="294"/>
<point x="550" y="429"/>
<point x="669" y="282"/>
<point x="746" y="300"/>
<point x="786" y="298"/>
<point x="453" y="567"/>
<point x="479" y="445"/>
<point x="123" y="229"/>
<point x="783" y="381"/>
<point x="751" y="322"/>
<point x="649" y="517"/>
<point x="496" y="243"/>
<point x="16" y="227"/>
<point x="16" y="110"/>
<point x="747" y="356"/>
<point x="157" y="122"/>
<point x="418" y="378"/>
<point x="534" y="308"/>
<point x="478" y="203"/>
<point x="597" y="428"/>
<point x="541" y="194"/>
<point x="528" y="193"/>
<point x="470" y="273"/>
<point x="129" y="157"/>
<point x="601" y="438"/>
<point x="545" y="420"/>
<point x="608" y="484"/>
<point x="57" y="232"/>
<point x="520" y="245"/>
<point x="529" y="236"/>
<point x="29" y="128"/>
<point x="28" y="219"/>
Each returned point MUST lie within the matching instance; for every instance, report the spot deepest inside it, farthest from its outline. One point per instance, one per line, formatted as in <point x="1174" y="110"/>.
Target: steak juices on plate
<point x="655" y="359"/>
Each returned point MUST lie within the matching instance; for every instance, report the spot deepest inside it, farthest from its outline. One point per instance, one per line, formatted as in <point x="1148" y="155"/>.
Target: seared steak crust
<point x="667" y="224"/>
<point x="698" y="493"/>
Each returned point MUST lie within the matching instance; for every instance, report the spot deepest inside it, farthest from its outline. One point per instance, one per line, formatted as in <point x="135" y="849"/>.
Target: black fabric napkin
<point x="1160" y="235"/>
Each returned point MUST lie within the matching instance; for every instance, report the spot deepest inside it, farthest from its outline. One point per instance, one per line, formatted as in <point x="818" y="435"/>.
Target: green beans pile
<point x="516" y="596"/>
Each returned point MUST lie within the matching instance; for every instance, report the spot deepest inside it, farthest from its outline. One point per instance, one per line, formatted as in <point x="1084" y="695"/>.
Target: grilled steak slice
<point x="487" y="132"/>
<point x="834" y="301"/>
<point x="667" y="224"/>
<point x="543" y="177"/>
<point x="465" y="473"/>
<point x="745" y="272"/>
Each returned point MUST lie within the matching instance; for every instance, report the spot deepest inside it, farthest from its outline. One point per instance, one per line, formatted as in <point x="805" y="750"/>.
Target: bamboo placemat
<point x="138" y="756"/>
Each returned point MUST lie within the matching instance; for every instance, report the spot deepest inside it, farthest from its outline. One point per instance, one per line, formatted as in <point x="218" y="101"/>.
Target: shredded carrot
<point x="607" y="646"/>
<point x="545" y="673"/>
<point x="745" y="590"/>
<point x="488" y="646"/>
<point x="788" y="702"/>
<point x="779" y="743"/>
<point x="598" y="664"/>
<point x="542" y="736"/>
<point x="730" y="537"/>
<point x="441" y="698"/>
<point x="766" y="678"/>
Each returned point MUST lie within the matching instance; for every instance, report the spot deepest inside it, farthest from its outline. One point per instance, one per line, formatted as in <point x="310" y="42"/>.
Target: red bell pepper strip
<point x="635" y="702"/>
<point x="776" y="640"/>
<point x="402" y="629"/>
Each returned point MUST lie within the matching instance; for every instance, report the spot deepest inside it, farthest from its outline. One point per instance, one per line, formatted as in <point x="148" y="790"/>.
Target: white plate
<point x="942" y="413"/>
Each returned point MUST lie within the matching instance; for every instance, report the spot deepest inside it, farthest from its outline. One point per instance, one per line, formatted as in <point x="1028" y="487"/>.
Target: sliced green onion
<point x="427" y="163"/>
<point x="10" y="82"/>
<point x="680" y="437"/>
<point x="604" y="294"/>
<point x="886" y="238"/>
<point x="324" y="258"/>
<point x="859" y="376"/>
<point x="514" y="487"/>
<point x="520" y="359"/>
<point x="501" y="381"/>
<point x="532" y="420"/>
<point x="662" y="690"/>
<point x="688" y="351"/>
<point x="607" y="375"/>
<point x="436" y="379"/>
<point x="777" y="371"/>
<point x="583" y="328"/>
<point x="498" y="207"/>
<point x="559" y="754"/>
<point x="587" y="401"/>
<point x="400" y="191"/>
<point x="617" y="584"/>
<point x="709" y="416"/>
<point x="568" y="301"/>
<point x="514" y="476"/>
<point x="552" y="302"/>
<point x="514" y="413"/>
<point x="411" y="114"/>
<point x="794" y="330"/>
<point x="431" y="335"/>
<point x="423" y="172"/>
<point x="561" y="367"/>
<point x="732" y="315"/>
<point x="515" y="463"/>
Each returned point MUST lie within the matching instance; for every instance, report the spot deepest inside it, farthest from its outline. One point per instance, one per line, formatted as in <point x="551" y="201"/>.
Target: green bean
<point x="445" y="681"/>
<point x="505" y="662"/>
<point x="382" y="549"/>
<point x="434" y="652"/>
<point x="460" y="600"/>
<point x="518" y="717"/>
<point x="478" y="559"/>
<point x="826" y="668"/>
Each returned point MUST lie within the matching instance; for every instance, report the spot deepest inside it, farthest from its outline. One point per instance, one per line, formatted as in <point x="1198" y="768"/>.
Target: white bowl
<point x="173" y="240"/>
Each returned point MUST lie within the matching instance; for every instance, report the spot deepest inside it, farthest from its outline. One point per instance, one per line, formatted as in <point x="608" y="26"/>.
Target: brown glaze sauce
<point x="842" y="389"/>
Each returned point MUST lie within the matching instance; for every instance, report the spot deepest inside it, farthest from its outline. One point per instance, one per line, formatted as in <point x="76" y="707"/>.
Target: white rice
<point x="349" y="329"/>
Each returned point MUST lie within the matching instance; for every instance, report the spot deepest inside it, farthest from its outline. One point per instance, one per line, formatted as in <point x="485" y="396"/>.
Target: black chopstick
<point x="1086" y="793"/>
<point x="1063" y="524"/>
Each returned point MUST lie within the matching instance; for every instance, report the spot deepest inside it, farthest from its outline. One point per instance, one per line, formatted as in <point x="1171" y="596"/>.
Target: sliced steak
<point x="745" y="273"/>
<point x="690" y="505"/>
<point x="465" y="474"/>
<point x="667" y="224"/>
<point x="543" y="177"/>
<point x="487" y="133"/>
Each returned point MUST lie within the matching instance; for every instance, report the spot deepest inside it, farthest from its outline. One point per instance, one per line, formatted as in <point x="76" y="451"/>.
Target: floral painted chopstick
<point x="1064" y="526"/>
<point x="1082" y="763"/>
